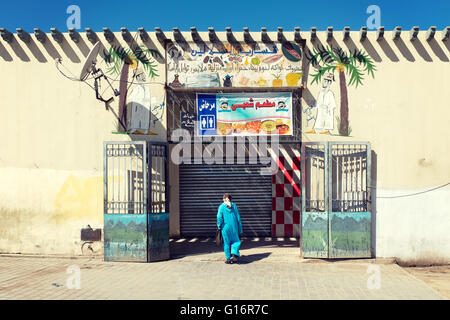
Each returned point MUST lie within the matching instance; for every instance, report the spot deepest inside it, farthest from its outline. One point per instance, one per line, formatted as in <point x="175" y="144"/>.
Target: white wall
<point x="413" y="229"/>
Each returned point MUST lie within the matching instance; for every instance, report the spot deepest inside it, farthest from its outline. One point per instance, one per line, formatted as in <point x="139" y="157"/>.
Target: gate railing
<point x="135" y="177"/>
<point x="349" y="165"/>
<point x="314" y="177"/>
<point x="158" y="177"/>
<point x="336" y="176"/>
<point x="125" y="177"/>
<point x="336" y="199"/>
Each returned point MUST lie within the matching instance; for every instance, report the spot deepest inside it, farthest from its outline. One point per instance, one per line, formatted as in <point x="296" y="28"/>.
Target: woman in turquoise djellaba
<point x="229" y="222"/>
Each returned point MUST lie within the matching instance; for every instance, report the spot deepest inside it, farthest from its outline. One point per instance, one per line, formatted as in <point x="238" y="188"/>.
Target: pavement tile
<point x="281" y="275"/>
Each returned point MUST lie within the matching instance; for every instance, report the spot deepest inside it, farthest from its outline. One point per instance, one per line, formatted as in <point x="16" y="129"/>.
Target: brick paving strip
<point x="266" y="272"/>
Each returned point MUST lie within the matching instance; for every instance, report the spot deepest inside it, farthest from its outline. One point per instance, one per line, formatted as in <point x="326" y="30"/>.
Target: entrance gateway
<point x="244" y="90"/>
<point x="336" y="200"/>
<point x="207" y="96"/>
<point x="136" y="206"/>
<point x="336" y="219"/>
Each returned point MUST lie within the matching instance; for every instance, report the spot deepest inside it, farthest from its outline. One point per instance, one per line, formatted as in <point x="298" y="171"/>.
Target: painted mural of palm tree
<point x="355" y="64"/>
<point x="120" y="60"/>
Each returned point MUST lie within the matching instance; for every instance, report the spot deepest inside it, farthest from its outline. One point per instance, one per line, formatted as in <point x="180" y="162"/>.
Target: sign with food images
<point x="266" y="113"/>
<point x="260" y="65"/>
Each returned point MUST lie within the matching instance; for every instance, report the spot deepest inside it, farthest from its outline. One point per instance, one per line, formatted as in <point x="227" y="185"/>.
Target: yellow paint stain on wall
<point x="79" y="198"/>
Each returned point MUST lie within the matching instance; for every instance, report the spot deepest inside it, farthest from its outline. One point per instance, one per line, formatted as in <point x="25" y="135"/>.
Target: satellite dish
<point x="89" y="68"/>
<point x="90" y="60"/>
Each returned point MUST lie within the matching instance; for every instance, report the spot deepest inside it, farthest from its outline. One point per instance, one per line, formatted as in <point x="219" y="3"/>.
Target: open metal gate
<point x="136" y="219"/>
<point x="336" y="213"/>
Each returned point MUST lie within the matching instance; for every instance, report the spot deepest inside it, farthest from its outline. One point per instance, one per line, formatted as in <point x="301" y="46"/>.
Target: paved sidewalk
<point x="268" y="271"/>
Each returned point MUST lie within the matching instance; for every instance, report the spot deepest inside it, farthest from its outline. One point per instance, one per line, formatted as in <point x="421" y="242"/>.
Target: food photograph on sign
<point x="244" y="114"/>
<point x="260" y="65"/>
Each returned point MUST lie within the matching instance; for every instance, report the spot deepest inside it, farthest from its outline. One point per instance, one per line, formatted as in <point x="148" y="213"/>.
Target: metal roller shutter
<point x="201" y="191"/>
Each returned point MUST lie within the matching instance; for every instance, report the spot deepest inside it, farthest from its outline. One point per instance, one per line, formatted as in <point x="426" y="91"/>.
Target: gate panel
<point x="136" y="212"/>
<point x="158" y="216"/>
<point x="314" y="232"/>
<point x="125" y="201"/>
<point x="350" y="219"/>
<point x="125" y="178"/>
<point x="336" y="213"/>
<point x="125" y="237"/>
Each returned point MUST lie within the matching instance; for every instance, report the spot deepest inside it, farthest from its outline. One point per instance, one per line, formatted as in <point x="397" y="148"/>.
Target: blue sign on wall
<point x="263" y="113"/>
<point x="206" y="116"/>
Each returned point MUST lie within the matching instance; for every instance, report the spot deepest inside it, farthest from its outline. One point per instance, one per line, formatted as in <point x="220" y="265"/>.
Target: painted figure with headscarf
<point x="325" y="107"/>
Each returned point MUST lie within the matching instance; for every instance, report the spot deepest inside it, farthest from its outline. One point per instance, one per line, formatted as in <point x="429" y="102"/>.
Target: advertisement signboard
<point x="260" y="65"/>
<point x="249" y="114"/>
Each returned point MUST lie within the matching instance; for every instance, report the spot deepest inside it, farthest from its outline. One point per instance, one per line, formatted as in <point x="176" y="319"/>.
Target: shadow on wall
<point x="35" y="51"/>
<point x="48" y="49"/>
<point x="68" y="50"/>
<point x="4" y="53"/>
<point x="425" y="49"/>
<point x="384" y="45"/>
<point x="367" y="45"/>
<point x="82" y="46"/>
<point x="51" y="50"/>
<point x="308" y="97"/>
<point x="18" y="50"/>
<point x="56" y="50"/>
<point x="155" y="127"/>
<point x="436" y="48"/>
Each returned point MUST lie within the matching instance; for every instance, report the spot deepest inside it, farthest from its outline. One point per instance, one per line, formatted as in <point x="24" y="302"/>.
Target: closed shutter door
<point x="201" y="190"/>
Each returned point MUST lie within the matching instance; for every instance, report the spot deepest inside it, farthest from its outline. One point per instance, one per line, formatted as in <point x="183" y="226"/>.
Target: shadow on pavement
<point x="184" y="247"/>
<point x="245" y="259"/>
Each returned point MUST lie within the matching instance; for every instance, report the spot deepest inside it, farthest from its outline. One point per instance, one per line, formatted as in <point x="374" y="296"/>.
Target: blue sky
<point x="167" y="14"/>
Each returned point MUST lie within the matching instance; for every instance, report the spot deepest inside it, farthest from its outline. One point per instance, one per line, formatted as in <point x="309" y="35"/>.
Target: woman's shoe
<point x="234" y="258"/>
<point x="229" y="261"/>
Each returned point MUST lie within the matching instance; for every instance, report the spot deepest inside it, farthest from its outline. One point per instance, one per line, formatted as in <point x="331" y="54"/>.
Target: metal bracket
<point x="380" y="33"/>
<point x="297" y="36"/>
<point x="144" y="35"/>
<point x="109" y="36"/>
<point x="23" y="35"/>
<point x="74" y="35"/>
<point x="126" y="35"/>
<point x="346" y="33"/>
<point x="91" y="35"/>
<point x="40" y="35"/>
<point x="430" y="33"/>
<point x="57" y="36"/>
<point x="313" y="34"/>
<point x="6" y="35"/>
<point x="363" y="34"/>
<point x="396" y="33"/>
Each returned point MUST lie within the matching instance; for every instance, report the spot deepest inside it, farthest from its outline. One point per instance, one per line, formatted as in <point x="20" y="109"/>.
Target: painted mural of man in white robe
<point x="325" y="107"/>
<point x="140" y="105"/>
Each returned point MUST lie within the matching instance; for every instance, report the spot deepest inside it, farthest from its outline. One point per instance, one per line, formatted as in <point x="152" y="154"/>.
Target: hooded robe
<point x="229" y="222"/>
